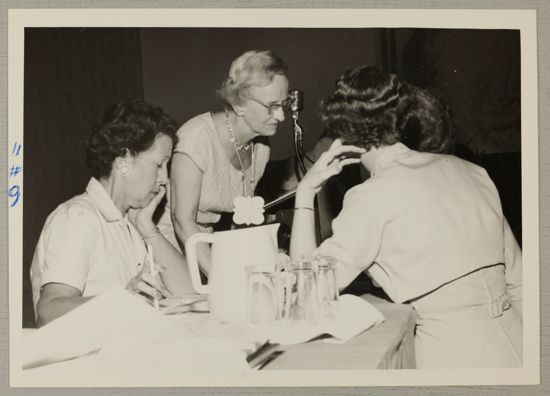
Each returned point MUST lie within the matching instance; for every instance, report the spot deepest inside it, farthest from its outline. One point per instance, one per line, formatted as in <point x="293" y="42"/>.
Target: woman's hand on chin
<point x="142" y="218"/>
<point x="330" y="163"/>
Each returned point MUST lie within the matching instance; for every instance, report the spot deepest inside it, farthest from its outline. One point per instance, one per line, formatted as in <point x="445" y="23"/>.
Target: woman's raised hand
<point x="330" y="163"/>
<point x="142" y="218"/>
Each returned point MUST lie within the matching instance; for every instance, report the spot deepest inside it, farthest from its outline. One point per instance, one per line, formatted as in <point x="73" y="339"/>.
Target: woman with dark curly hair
<point x="106" y="235"/>
<point x="427" y="227"/>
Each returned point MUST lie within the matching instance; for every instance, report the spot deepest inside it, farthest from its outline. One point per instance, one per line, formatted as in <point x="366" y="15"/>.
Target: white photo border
<point x="523" y="20"/>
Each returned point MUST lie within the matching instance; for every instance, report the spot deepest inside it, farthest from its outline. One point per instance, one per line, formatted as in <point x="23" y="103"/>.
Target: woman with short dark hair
<point x="386" y="111"/>
<point x="101" y="238"/>
<point x="127" y="126"/>
<point x="427" y="227"/>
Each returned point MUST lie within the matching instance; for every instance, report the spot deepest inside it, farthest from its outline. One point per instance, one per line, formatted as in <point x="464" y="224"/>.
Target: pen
<point x="152" y="270"/>
<point x="261" y="355"/>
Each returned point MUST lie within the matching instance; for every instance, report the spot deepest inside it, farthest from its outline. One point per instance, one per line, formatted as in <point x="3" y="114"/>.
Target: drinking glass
<point x="262" y="297"/>
<point x="301" y="297"/>
<point x="327" y="287"/>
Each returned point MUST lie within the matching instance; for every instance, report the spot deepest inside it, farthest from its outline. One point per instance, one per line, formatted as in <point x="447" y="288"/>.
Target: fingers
<point x="349" y="161"/>
<point x="337" y="142"/>
<point x="139" y="286"/>
<point x="141" y="218"/>
<point x="331" y="163"/>
<point x="154" y="281"/>
<point x="342" y="152"/>
<point x="156" y="200"/>
<point x="149" y="290"/>
<point x="160" y="284"/>
<point x="337" y="165"/>
<point x="347" y="151"/>
<point x="149" y="285"/>
<point x="167" y="293"/>
<point x="149" y="209"/>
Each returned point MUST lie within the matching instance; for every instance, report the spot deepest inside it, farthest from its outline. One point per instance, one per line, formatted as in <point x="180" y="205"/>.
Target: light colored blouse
<point x="420" y="221"/>
<point x="87" y="243"/>
<point x="199" y="139"/>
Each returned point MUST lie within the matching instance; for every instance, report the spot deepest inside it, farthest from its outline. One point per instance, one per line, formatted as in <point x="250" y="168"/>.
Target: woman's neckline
<point x="211" y="115"/>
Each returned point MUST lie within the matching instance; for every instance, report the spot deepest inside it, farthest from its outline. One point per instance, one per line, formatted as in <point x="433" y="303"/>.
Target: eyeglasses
<point x="273" y="107"/>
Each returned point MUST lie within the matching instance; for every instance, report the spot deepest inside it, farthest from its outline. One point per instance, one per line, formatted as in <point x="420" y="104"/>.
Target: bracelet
<point x="304" y="207"/>
<point x="154" y="234"/>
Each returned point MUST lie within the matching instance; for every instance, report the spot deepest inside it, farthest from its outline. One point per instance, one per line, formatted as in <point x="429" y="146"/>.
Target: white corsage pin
<point x="248" y="210"/>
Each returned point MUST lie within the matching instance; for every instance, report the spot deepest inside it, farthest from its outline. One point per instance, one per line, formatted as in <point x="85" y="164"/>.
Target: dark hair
<point x="370" y="108"/>
<point x="129" y="126"/>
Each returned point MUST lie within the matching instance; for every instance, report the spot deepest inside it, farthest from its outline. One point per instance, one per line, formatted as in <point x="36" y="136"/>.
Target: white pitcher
<point x="231" y="252"/>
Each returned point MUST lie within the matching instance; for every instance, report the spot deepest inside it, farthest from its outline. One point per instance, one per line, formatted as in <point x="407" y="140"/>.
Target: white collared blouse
<point x="87" y="243"/>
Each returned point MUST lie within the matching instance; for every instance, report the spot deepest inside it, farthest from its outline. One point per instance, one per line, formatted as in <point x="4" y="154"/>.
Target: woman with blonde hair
<point x="222" y="155"/>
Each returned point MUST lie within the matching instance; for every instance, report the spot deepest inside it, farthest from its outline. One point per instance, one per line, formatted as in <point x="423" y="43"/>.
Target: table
<point x="389" y="345"/>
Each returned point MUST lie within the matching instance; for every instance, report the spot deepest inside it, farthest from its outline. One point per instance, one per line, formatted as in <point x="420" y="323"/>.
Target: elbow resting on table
<point x="56" y="299"/>
<point x="48" y="309"/>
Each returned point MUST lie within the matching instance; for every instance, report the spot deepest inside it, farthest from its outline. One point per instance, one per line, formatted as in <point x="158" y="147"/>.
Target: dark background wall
<point x="183" y="68"/>
<point x="73" y="75"/>
<point x="478" y="73"/>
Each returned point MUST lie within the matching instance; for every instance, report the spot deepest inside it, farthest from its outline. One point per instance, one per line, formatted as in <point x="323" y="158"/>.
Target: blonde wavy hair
<point x="251" y="68"/>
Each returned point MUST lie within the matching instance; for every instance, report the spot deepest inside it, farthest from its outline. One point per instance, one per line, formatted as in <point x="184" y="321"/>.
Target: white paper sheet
<point x="355" y="315"/>
<point x="117" y="338"/>
<point x="110" y="315"/>
<point x="138" y="361"/>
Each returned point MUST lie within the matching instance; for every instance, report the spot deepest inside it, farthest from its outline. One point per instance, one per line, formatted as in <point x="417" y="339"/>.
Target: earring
<point x="238" y="111"/>
<point x="124" y="169"/>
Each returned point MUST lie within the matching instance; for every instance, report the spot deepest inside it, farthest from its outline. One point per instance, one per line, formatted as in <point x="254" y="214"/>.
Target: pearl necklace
<point x="245" y="148"/>
<point x="233" y="139"/>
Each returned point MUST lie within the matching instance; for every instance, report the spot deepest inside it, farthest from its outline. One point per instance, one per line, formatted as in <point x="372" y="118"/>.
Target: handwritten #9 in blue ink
<point x="14" y="191"/>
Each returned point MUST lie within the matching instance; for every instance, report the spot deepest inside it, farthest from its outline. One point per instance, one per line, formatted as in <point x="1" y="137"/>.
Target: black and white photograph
<point x="250" y="197"/>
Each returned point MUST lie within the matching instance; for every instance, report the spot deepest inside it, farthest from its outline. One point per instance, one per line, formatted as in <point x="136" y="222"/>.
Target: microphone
<point x="296" y="100"/>
<point x="296" y="105"/>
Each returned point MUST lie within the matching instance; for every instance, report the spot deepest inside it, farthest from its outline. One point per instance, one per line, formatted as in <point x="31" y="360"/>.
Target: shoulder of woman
<point x="198" y="130"/>
<point x="77" y="215"/>
<point x="262" y="147"/>
<point x="464" y="164"/>
<point x="198" y="123"/>
<point x="195" y="136"/>
<point x="368" y="190"/>
<point x="81" y="207"/>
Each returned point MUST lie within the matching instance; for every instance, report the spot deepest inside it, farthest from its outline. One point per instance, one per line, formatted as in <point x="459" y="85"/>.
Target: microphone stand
<point x="298" y="145"/>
